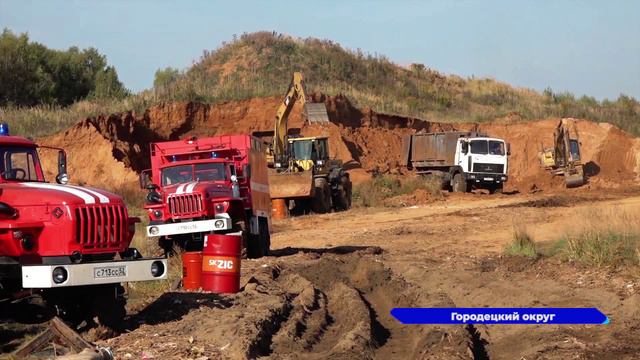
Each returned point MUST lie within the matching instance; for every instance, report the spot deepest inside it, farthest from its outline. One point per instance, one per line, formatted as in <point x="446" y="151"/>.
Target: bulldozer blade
<point x="288" y="185"/>
<point x="316" y="113"/>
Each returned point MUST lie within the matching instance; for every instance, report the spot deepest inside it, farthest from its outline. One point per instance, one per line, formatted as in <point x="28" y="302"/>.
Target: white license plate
<point x="488" y="179"/>
<point x="109" y="272"/>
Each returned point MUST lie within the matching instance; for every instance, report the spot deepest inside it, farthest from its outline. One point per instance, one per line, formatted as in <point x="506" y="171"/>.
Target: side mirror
<point x="464" y="147"/>
<point x="62" y="177"/>
<point x="145" y="179"/>
<point x="508" y="149"/>
<point x="246" y="171"/>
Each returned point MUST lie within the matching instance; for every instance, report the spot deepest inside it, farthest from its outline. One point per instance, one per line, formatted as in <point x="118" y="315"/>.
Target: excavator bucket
<point x="316" y="113"/>
<point x="574" y="177"/>
<point x="287" y="185"/>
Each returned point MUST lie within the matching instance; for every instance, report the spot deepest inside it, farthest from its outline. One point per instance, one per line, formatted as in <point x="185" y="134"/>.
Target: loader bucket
<point x="574" y="177"/>
<point x="316" y="113"/>
<point x="289" y="185"/>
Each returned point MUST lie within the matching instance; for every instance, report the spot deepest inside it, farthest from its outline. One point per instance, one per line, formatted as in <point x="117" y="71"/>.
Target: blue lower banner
<point x="533" y="316"/>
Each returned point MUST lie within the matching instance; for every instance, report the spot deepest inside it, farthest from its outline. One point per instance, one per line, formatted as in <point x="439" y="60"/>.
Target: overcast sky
<point x="586" y="47"/>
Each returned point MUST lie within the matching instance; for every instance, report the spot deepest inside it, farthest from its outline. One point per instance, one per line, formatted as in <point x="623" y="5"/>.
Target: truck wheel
<point x="321" y="202"/>
<point x="109" y="305"/>
<point x="259" y="244"/>
<point x="342" y="198"/>
<point x="265" y="237"/>
<point x="459" y="184"/>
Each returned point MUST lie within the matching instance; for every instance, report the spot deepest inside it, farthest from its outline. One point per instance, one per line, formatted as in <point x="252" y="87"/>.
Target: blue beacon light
<point x="4" y="129"/>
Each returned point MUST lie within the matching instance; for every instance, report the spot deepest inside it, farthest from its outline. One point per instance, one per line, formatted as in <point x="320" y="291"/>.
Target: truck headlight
<point x="157" y="214"/>
<point x="320" y="162"/>
<point x="157" y="269"/>
<point x="278" y="165"/>
<point x="59" y="275"/>
<point x="471" y="176"/>
<point x="219" y="223"/>
<point x="154" y="230"/>
<point x="219" y="208"/>
<point x="503" y="178"/>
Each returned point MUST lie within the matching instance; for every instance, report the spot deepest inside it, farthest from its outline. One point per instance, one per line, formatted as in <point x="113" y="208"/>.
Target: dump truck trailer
<point x="462" y="160"/>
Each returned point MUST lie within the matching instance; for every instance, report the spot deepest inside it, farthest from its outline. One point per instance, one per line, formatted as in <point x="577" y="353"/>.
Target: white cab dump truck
<point x="463" y="160"/>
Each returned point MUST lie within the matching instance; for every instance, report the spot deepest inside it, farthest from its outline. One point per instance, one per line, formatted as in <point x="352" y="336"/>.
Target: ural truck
<point x="65" y="247"/>
<point x="463" y="161"/>
<point x="211" y="185"/>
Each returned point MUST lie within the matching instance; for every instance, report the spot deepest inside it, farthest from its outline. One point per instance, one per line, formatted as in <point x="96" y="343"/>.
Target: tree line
<point x="32" y="74"/>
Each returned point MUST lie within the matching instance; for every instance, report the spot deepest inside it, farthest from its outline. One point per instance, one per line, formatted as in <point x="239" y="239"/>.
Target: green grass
<point x="374" y="192"/>
<point x="522" y="244"/>
<point x="598" y="237"/>
<point x="603" y="248"/>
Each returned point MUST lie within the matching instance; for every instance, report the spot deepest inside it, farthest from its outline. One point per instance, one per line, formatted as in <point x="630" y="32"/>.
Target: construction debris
<point x="74" y="347"/>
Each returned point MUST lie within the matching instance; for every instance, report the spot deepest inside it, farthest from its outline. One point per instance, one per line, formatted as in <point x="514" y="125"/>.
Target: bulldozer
<point x="564" y="157"/>
<point x="302" y="175"/>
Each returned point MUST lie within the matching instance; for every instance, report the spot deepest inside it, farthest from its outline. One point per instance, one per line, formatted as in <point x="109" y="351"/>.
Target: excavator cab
<point x="309" y="151"/>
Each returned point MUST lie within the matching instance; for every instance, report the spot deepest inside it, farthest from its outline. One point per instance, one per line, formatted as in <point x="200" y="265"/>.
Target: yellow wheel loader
<point x="301" y="171"/>
<point x="564" y="157"/>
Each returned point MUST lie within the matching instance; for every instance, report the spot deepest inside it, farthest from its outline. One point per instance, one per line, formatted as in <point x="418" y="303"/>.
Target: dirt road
<point x="328" y="289"/>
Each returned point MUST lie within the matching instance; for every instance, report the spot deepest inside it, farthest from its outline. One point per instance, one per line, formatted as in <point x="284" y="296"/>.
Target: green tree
<point x="164" y="77"/>
<point x="107" y="85"/>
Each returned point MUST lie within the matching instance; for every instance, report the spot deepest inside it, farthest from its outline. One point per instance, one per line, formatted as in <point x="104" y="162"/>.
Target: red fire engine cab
<point x="68" y="245"/>
<point x="211" y="185"/>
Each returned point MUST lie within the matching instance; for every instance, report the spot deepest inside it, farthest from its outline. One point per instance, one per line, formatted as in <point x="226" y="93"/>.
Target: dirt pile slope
<point x="316" y="306"/>
<point x="108" y="150"/>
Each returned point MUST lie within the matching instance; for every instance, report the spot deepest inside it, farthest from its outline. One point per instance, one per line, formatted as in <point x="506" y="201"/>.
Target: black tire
<point x="342" y="196"/>
<point x="265" y="237"/>
<point x="110" y="306"/>
<point x="259" y="245"/>
<point x="321" y="202"/>
<point x="459" y="184"/>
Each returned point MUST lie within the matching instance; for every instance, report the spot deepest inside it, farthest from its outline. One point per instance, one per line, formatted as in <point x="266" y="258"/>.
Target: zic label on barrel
<point x="220" y="263"/>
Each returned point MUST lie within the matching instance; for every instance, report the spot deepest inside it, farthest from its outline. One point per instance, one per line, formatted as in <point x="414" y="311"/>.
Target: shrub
<point x="522" y="243"/>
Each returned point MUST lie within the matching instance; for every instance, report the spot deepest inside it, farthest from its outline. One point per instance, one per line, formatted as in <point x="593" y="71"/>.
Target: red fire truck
<point x="67" y="245"/>
<point x="210" y="185"/>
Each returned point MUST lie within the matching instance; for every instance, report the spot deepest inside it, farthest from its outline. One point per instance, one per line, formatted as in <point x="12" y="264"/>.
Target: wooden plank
<point x="37" y="343"/>
<point x="68" y="335"/>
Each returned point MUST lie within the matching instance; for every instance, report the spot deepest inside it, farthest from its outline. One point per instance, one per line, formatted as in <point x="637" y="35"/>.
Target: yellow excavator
<point x="564" y="157"/>
<point x="302" y="174"/>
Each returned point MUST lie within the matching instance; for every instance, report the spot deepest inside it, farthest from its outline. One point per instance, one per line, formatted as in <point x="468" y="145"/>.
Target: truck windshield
<point x="20" y="164"/>
<point x="479" y="147"/>
<point x="485" y="147"/>
<point x="193" y="172"/>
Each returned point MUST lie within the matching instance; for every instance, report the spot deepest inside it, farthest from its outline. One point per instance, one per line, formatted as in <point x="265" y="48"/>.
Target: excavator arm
<point x="295" y="92"/>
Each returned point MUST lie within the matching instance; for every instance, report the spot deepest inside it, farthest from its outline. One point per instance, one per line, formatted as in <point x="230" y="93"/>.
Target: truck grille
<point x="185" y="204"/>
<point x="101" y="226"/>
<point x="488" y="168"/>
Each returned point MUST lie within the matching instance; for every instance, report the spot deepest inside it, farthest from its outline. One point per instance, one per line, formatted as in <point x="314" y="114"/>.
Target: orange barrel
<point x="192" y="270"/>
<point x="279" y="209"/>
<point x="221" y="263"/>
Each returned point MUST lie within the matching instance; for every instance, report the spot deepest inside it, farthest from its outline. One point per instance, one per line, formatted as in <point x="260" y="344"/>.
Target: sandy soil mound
<point x="108" y="150"/>
<point x="316" y="306"/>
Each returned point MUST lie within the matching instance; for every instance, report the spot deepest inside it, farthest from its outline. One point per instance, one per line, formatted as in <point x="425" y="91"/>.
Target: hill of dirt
<point x="108" y="151"/>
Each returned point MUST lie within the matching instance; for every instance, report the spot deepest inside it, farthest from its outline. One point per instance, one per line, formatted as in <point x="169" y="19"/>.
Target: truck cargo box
<point x="433" y="149"/>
